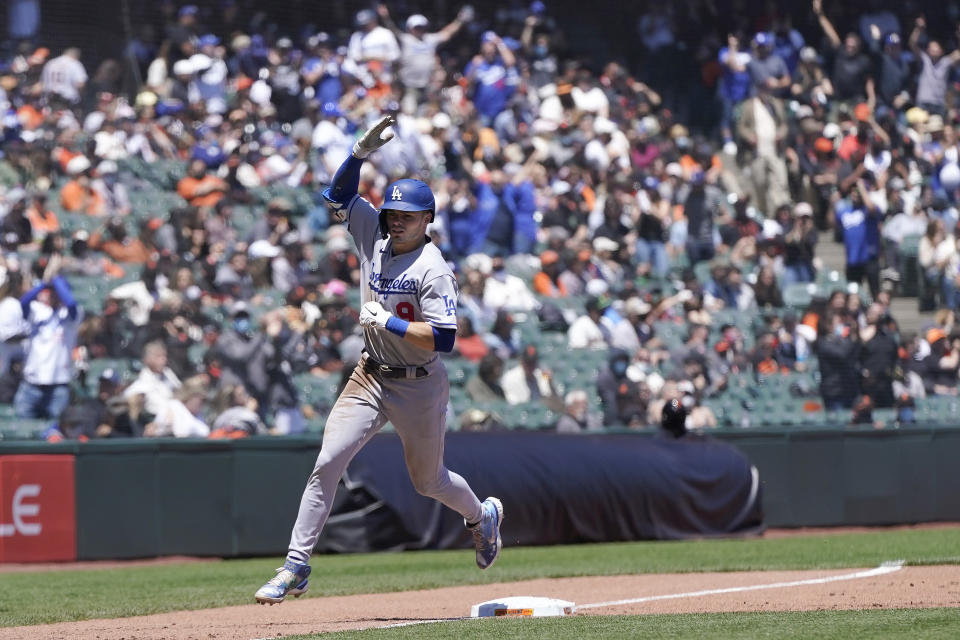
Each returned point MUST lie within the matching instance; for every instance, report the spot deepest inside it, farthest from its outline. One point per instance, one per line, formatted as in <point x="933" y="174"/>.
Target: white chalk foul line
<point x="885" y="568"/>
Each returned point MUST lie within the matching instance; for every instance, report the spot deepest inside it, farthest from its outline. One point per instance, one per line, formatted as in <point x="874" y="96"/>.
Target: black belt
<point x="385" y="371"/>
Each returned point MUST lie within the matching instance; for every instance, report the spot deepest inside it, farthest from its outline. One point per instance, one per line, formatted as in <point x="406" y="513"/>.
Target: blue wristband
<point x="397" y="326"/>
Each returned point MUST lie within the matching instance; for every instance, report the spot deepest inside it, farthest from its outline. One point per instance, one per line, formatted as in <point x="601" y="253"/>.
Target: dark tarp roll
<point x="555" y="489"/>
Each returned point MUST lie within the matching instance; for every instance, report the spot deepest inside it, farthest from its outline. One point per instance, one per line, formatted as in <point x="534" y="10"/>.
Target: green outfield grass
<point x="930" y="624"/>
<point x="34" y="598"/>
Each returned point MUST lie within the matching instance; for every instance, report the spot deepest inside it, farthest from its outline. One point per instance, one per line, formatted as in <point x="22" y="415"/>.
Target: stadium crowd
<point x="590" y="200"/>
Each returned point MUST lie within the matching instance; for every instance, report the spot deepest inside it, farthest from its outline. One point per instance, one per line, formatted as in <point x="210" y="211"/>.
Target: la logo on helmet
<point x="396" y="195"/>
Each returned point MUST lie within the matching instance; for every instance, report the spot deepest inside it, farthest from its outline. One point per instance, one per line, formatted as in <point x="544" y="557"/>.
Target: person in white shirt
<point x="373" y="46"/>
<point x="528" y="382"/>
<point x="13" y="327"/>
<point x="505" y="291"/>
<point x="54" y="317"/>
<point x="65" y="76"/>
<point x="590" y="331"/>
<point x="418" y="49"/>
<point x="182" y="415"/>
<point x="156" y="382"/>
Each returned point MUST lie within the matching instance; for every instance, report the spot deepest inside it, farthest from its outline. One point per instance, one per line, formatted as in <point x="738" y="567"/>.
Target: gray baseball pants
<point x="417" y="408"/>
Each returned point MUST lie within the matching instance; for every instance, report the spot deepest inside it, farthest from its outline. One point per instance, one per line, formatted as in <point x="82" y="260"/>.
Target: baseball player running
<point x="409" y="314"/>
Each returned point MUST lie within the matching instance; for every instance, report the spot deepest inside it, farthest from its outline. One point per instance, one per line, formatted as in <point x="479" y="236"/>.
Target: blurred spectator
<point x="503" y="338"/>
<point x="768" y="71"/>
<point x="894" y="73"/>
<point x="233" y="279"/>
<point x="654" y="220"/>
<point x="810" y="83"/>
<point x="577" y="416"/>
<point x="236" y="414"/>
<point x="418" y="48"/>
<point x="938" y="258"/>
<point x="64" y="76"/>
<point x="113" y="193"/>
<point x="734" y="85"/>
<point x="114" y="241"/>
<point x="101" y="416"/>
<point x="852" y="69"/>
<point x="15" y="227"/>
<point x="260" y="360"/>
<point x="54" y="319"/>
<point x="505" y="291"/>
<point x="485" y="385"/>
<point x="493" y="78"/>
<point x="182" y="416"/>
<point x="590" y="331"/>
<point x="529" y="382"/>
<point x="77" y="193"/>
<point x="859" y="218"/>
<point x="373" y="46"/>
<point x="698" y="415"/>
<point x="13" y="328"/>
<point x="763" y="130"/>
<point x="42" y="219"/>
<point x="469" y="344"/>
<point x="878" y="357"/>
<point x="621" y="396"/>
<point x="838" y="350"/>
<point x="629" y="334"/>
<point x="702" y="204"/>
<point x="578" y="273"/>
<point x="156" y="382"/>
<point x="200" y="188"/>
<point x="940" y="366"/>
<point x="546" y="281"/>
<point x="766" y="290"/>
<point x="274" y="225"/>
<point x="935" y="67"/>
<point x="800" y="242"/>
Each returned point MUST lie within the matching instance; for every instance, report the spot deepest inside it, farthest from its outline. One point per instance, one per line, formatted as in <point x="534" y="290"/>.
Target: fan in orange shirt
<point x="199" y="188"/>
<point x="77" y="195"/>
<point x="547" y="281"/>
<point x="42" y="220"/>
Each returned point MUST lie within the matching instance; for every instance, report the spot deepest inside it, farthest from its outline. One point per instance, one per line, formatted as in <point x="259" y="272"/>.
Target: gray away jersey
<point x="417" y="286"/>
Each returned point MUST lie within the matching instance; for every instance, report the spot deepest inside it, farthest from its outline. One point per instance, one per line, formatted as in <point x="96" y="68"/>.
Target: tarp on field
<point x="556" y="489"/>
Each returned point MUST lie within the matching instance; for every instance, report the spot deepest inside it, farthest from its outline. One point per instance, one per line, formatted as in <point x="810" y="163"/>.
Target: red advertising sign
<point x="38" y="520"/>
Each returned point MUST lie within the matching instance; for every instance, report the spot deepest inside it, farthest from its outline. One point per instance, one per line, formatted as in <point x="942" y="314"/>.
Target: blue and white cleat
<point x="291" y="580"/>
<point x="486" y="533"/>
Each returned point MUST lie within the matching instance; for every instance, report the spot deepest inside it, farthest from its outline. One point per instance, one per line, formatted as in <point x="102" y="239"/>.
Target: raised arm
<point x="825" y="24"/>
<point x="919" y="26"/>
<point x="455" y="25"/>
<point x="526" y="37"/>
<point x="384" y="12"/>
<point x="346" y="181"/>
<point x="509" y="60"/>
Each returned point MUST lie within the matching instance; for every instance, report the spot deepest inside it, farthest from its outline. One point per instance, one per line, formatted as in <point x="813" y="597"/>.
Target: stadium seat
<point x="799" y="295"/>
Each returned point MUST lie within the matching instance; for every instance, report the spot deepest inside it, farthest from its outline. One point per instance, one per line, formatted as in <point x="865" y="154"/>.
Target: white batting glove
<point x="374" y="316"/>
<point x="371" y="140"/>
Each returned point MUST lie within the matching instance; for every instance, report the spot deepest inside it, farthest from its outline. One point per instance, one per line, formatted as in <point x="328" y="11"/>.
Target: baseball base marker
<point x="522" y="606"/>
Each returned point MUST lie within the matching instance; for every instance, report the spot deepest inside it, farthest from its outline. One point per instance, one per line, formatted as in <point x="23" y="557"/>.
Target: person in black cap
<point x="674" y="418"/>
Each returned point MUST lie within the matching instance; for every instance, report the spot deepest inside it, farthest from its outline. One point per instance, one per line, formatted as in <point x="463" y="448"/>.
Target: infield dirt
<point x="910" y="587"/>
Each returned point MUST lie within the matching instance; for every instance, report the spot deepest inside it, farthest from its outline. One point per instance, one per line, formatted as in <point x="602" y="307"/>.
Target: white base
<point x="521" y="606"/>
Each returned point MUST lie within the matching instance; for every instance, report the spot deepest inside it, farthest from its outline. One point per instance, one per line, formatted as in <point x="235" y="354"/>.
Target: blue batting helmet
<point x="406" y="195"/>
